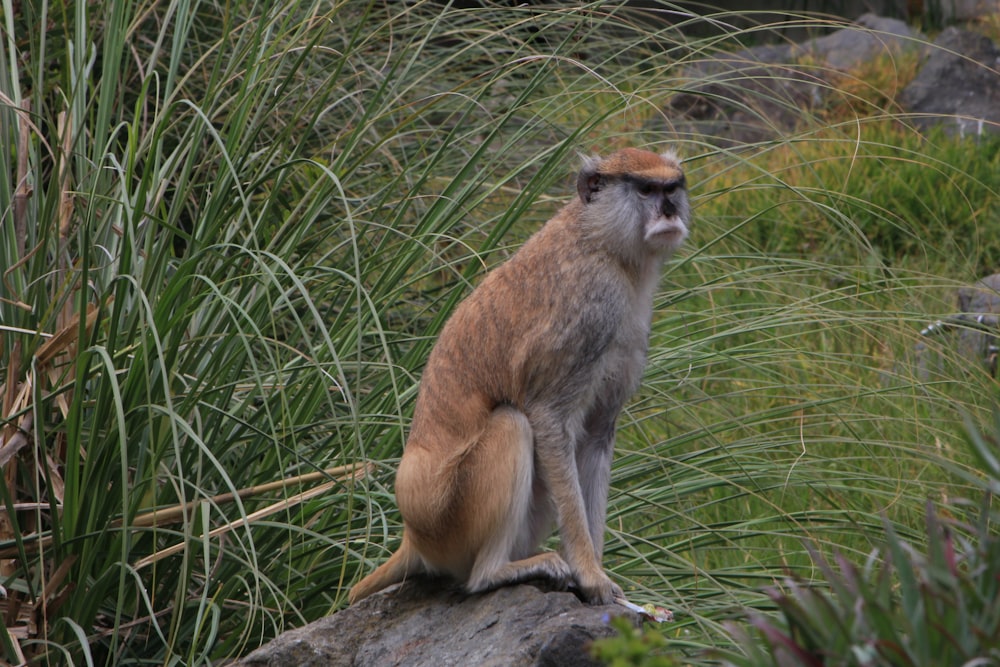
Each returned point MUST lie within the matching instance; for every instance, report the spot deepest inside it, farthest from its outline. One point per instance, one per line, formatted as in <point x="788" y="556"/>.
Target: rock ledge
<point x="423" y="623"/>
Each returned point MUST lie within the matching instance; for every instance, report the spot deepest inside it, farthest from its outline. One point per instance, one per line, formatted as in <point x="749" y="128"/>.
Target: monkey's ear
<point x="589" y="180"/>
<point x="670" y="155"/>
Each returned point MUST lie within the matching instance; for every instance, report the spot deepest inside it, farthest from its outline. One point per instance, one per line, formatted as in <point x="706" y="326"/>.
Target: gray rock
<point x="761" y="93"/>
<point x="423" y="622"/>
<point x="873" y="37"/>
<point x="958" y="85"/>
<point x="979" y="310"/>
<point x="973" y="332"/>
<point x="743" y="97"/>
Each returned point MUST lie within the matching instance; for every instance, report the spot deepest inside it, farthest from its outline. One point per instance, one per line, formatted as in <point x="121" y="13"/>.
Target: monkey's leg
<point x="510" y="516"/>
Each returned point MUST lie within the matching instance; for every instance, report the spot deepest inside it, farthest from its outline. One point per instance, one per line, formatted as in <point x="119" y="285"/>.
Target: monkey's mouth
<point x="667" y="232"/>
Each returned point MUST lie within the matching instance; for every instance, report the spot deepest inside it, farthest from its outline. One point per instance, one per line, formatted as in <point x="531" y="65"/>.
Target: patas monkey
<point x="514" y="424"/>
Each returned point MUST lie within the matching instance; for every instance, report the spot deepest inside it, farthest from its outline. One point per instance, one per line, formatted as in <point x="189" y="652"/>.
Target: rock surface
<point x="423" y="622"/>
<point x="979" y="306"/>
<point x="973" y="332"/>
<point x="959" y="85"/>
<point x="765" y="92"/>
<point x="760" y="93"/>
<point x="871" y="37"/>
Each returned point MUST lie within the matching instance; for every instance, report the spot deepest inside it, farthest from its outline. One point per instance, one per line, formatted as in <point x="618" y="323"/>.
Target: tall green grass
<point x="231" y="232"/>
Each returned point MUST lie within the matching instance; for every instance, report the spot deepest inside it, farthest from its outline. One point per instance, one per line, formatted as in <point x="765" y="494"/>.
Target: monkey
<point x="514" y="424"/>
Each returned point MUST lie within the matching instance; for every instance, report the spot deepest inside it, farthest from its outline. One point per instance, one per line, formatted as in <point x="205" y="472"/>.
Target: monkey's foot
<point x="596" y="588"/>
<point x="548" y="566"/>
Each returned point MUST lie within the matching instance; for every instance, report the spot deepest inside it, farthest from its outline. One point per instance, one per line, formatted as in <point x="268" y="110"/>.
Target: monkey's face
<point x="663" y="209"/>
<point x="640" y="200"/>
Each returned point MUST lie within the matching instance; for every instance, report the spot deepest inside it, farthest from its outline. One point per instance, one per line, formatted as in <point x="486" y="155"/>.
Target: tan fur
<point x="514" y="423"/>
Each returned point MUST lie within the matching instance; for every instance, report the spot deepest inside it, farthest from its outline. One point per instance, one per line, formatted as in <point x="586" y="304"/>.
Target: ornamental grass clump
<point x="904" y="606"/>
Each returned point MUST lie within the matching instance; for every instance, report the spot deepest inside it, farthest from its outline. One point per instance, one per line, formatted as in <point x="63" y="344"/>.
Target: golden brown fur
<point x="514" y="423"/>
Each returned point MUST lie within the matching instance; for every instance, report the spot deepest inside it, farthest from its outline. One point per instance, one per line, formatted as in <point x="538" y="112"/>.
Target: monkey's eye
<point x="644" y="189"/>
<point x="674" y="185"/>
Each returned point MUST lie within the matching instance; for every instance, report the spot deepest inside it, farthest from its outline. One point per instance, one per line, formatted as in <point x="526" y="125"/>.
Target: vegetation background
<point x="229" y="233"/>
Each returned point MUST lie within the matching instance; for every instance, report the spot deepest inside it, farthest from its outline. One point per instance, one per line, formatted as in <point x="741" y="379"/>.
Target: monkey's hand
<point x="598" y="589"/>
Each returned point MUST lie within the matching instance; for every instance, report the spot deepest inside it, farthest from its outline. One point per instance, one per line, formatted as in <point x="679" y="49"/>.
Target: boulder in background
<point x="958" y="86"/>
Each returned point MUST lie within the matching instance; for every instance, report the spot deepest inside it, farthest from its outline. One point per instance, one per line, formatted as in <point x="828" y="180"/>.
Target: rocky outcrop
<point x="973" y="332"/>
<point x="765" y="92"/>
<point x="423" y="622"/>
<point x="958" y="86"/>
<point x="872" y="37"/>
<point x="979" y="308"/>
<point x="760" y="93"/>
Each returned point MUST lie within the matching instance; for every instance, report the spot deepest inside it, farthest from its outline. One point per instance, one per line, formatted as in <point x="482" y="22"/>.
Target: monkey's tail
<point x="400" y="565"/>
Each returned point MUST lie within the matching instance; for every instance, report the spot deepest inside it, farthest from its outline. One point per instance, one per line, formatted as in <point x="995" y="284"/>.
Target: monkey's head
<point x="638" y="199"/>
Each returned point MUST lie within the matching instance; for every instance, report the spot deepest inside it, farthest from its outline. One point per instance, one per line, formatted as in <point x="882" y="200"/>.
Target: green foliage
<point x="230" y="233"/>
<point x="212" y="229"/>
<point x="632" y="646"/>
<point x="963" y="214"/>
<point x="907" y="606"/>
<point x="907" y="197"/>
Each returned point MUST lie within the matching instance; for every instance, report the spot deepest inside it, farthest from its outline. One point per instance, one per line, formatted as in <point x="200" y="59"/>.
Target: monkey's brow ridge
<point x="679" y="181"/>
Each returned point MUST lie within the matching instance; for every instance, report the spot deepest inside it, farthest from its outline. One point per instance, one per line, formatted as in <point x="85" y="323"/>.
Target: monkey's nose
<point x="668" y="209"/>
